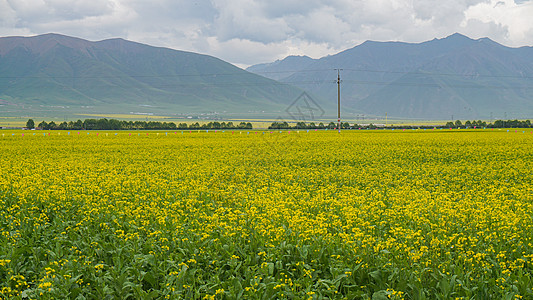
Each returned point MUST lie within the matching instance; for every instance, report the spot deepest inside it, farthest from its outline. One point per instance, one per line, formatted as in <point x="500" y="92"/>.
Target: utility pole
<point x="339" y="99"/>
<point x="504" y="118"/>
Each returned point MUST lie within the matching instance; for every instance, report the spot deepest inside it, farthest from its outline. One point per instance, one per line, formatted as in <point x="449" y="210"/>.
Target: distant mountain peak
<point x="455" y="39"/>
<point x="458" y="36"/>
<point x="455" y="75"/>
<point x="58" y="38"/>
<point x="280" y="69"/>
<point x="116" y="75"/>
<point x="41" y="43"/>
<point x="299" y="56"/>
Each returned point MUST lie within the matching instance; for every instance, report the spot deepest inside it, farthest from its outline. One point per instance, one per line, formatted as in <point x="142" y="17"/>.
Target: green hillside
<point x="53" y="73"/>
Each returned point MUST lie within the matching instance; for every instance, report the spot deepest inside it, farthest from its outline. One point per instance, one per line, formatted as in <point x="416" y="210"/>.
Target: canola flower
<point x="237" y="214"/>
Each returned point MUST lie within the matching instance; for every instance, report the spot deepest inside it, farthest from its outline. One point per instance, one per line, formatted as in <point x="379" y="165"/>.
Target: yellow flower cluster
<point x="299" y="215"/>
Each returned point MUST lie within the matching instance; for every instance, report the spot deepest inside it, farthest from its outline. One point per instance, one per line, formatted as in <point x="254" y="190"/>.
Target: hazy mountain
<point x="455" y="76"/>
<point x="51" y="71"/>
<point x="281" y="69"/>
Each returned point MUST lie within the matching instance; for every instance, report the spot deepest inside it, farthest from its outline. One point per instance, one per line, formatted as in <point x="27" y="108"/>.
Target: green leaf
<point x="380" y="295"/>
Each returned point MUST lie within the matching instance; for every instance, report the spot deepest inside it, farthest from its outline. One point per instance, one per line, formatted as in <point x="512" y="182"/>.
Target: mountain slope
<point x="281" y="69"/>
<point x="121" y="76"/>
<point x="455" y="76"/>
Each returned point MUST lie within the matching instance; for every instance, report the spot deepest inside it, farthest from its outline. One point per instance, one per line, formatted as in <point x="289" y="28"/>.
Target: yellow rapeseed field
<point x="435" y="214"/>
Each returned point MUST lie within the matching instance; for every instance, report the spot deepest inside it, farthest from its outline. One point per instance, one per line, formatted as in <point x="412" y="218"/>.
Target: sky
<point x="247" y="32"/>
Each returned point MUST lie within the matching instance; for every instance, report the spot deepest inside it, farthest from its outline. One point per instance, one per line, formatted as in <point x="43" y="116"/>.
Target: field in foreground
<point x="225" y="215"/>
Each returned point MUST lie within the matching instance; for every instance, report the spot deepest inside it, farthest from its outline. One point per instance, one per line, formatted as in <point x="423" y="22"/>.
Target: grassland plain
<point x="266" y="215"/>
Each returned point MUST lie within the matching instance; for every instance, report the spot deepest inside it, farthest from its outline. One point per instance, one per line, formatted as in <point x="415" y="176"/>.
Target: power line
<point x="81" y="85"/>
<point x="278" y="83"/>
<point x="126" y="76"/>
<point x="435" y="85"/>
<point x="398" y="72"/>
<point x="290" y="71"/>
<point x="441" y="74"/>
<point x="270" y="72"/>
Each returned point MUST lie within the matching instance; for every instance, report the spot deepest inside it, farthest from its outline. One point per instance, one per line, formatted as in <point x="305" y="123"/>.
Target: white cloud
<point x="246" y="32"/>
<point x="246" y="20"/>
<point x="514" y="17"/>
<point x="39" y="11"/>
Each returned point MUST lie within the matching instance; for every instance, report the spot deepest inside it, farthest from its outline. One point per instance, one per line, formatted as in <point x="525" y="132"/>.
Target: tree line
<point x="312" y="125"/>
<point x="496" y="124"/>
<point x="113" y="124"/>
<point x="216" y="125"/>
<point x="456" y="124"/>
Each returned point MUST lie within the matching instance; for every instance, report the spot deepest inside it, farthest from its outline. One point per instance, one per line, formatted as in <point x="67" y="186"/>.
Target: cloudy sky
<point x="246" y="32"/>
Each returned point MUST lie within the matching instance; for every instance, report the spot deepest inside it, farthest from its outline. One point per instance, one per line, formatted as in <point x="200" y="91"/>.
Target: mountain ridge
<point x="117" y="75"/>
<point x="455" y="76"/>
<point x="470" y="78"/>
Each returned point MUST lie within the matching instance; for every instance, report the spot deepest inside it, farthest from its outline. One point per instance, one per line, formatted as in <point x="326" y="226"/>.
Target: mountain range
<point x="455" y="77"/>
<point x="55" y="72"/>
<point x="450" y="78"/>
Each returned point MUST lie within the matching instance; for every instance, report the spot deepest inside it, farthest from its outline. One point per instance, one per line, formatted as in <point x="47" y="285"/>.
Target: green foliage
<point x="510" y="124"/>
<point x="30" y="124"/>
<point x="457" y="124"/>
<point x="363" y="215"/>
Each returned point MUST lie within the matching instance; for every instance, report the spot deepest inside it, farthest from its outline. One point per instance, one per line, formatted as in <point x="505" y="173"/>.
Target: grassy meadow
<point x="405" y="214"/>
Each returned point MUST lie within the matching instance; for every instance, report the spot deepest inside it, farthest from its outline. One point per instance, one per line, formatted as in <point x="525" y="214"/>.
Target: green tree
<point x="89" y="124"/>
<point x="30" y="124"/>
<point x="78" y="125"/>
<point x="115" y="124"/>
